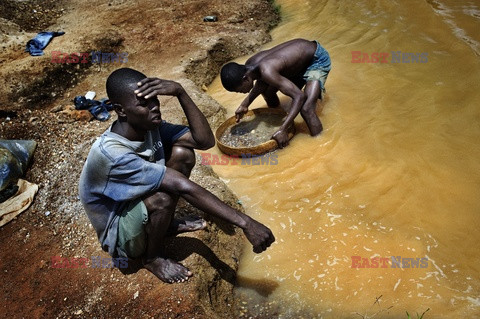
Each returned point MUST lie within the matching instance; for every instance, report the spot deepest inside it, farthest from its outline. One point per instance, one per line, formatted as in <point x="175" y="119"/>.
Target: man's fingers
<point x="264" y="244"/>
<point x="152" y="87"/>
<point x="146" y="80"/>
<point x="148" y="85"/>
<point x="281" y="144"/>
<point x="271" y="239"/>
<point x="238" y="117"/>
<point x="148" y="91"/>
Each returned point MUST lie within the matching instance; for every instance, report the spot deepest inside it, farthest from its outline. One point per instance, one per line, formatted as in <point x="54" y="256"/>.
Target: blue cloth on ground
<point x="99" y="109"/>
<point x="36" y="45"/>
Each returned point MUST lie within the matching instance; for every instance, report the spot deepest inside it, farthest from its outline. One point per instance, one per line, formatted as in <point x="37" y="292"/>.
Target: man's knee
<point x="159" y="202"/>
<point x="308" y="108"/>
<point x="310" y="105"/>
<point x="182" y="159"/>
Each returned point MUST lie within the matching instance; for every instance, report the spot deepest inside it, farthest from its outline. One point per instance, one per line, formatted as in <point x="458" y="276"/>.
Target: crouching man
<point x="137" y="169"/>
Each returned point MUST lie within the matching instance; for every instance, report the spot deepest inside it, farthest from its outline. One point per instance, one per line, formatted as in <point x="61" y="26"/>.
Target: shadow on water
<point x="263" y="287"/>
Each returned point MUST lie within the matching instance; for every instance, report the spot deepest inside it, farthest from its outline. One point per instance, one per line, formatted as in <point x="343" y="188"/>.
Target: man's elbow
<point x="210" y="144"/>
<point x="177" y="183"/>
<point x="206" y="144"/>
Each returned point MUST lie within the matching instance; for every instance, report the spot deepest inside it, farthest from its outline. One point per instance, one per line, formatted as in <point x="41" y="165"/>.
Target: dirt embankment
<point x="162" y="38"/>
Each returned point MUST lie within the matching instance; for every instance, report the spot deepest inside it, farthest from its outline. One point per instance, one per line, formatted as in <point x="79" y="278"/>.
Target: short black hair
<point x="231" y="75"/>
<point x="121" y="82"/>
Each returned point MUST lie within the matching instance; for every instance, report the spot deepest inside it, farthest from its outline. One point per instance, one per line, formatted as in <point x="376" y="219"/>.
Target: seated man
<point x="286" y="67"/>
<point x="136" y="171"/>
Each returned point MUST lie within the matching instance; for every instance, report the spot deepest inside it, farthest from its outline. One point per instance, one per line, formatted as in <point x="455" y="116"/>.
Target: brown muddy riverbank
<point x="168" y="40"/>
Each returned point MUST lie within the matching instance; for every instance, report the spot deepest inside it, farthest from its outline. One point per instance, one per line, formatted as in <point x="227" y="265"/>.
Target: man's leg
<point x="313" y="90"/>
<point x="161" y="209"/>
<point x="182" y="159"/>
<point x="270" y="96"/>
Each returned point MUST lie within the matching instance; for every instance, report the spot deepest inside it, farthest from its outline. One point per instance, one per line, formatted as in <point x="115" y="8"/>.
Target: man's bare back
<point x="287" y="67"/>
<point x="289" y="58"/>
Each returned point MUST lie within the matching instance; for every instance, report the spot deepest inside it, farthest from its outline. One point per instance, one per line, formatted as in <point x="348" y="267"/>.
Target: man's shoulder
<point x="111" y="146"/>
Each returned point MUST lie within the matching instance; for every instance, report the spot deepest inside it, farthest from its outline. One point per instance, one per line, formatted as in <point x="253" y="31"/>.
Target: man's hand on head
<point x="151" y="87"/>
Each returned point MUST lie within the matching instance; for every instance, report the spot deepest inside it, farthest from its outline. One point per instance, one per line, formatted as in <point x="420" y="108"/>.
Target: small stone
<point x="235" y="20"/>
<point x="135" y="295"/>
<point x="56" y="109"/>
<point x="210" y="19"/>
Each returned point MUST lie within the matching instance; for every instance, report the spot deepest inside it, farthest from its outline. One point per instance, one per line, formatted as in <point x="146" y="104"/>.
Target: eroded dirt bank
<point x="162" y="38"/>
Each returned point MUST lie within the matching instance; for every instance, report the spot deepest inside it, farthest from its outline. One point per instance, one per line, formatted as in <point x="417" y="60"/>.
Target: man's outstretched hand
<point x="151" y="87"/>
<point x="240" y="112"/>
<point x="258" y="235"/>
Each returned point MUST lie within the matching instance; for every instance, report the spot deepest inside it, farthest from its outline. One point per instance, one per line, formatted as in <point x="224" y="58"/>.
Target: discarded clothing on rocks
<point x="36" y="45"/>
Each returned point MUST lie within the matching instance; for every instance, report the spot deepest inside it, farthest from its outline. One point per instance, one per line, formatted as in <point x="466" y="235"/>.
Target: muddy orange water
<point x="396" y="171"/>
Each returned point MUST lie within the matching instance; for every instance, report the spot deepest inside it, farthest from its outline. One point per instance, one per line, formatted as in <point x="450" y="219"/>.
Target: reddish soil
<point x="162" y="38"/>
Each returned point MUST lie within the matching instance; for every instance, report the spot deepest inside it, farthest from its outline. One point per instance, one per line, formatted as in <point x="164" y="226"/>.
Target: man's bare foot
<point x="168" y="270"/>
<point x="187" y="224"/>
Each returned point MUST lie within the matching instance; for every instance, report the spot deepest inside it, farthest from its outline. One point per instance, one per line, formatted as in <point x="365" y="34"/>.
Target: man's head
<point x="121" y="85"/>
<point x="235" y="78"/>
<point x="140" y="113"/>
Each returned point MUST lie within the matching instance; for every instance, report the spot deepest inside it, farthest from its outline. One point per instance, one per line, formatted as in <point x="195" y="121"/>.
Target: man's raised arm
<point x="200" y="136"/>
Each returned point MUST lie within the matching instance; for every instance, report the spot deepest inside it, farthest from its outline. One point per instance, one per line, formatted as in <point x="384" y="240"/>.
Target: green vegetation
<point x="418" y="316"/>
<point x="277" y="11"/>
<point x="276" y="7"/>
<point x="382" y="309"/>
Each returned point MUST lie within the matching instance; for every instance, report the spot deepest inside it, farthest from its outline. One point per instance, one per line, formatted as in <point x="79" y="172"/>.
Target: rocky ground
<point x="166" y="38"/>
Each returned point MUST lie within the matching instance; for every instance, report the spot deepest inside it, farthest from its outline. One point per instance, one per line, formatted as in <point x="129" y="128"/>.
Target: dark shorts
<point x="320" y="67"/>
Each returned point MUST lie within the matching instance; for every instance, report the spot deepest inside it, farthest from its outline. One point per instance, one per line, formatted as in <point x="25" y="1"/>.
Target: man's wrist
<point x="244" y="220"/>
<point x="180" y="91"/>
